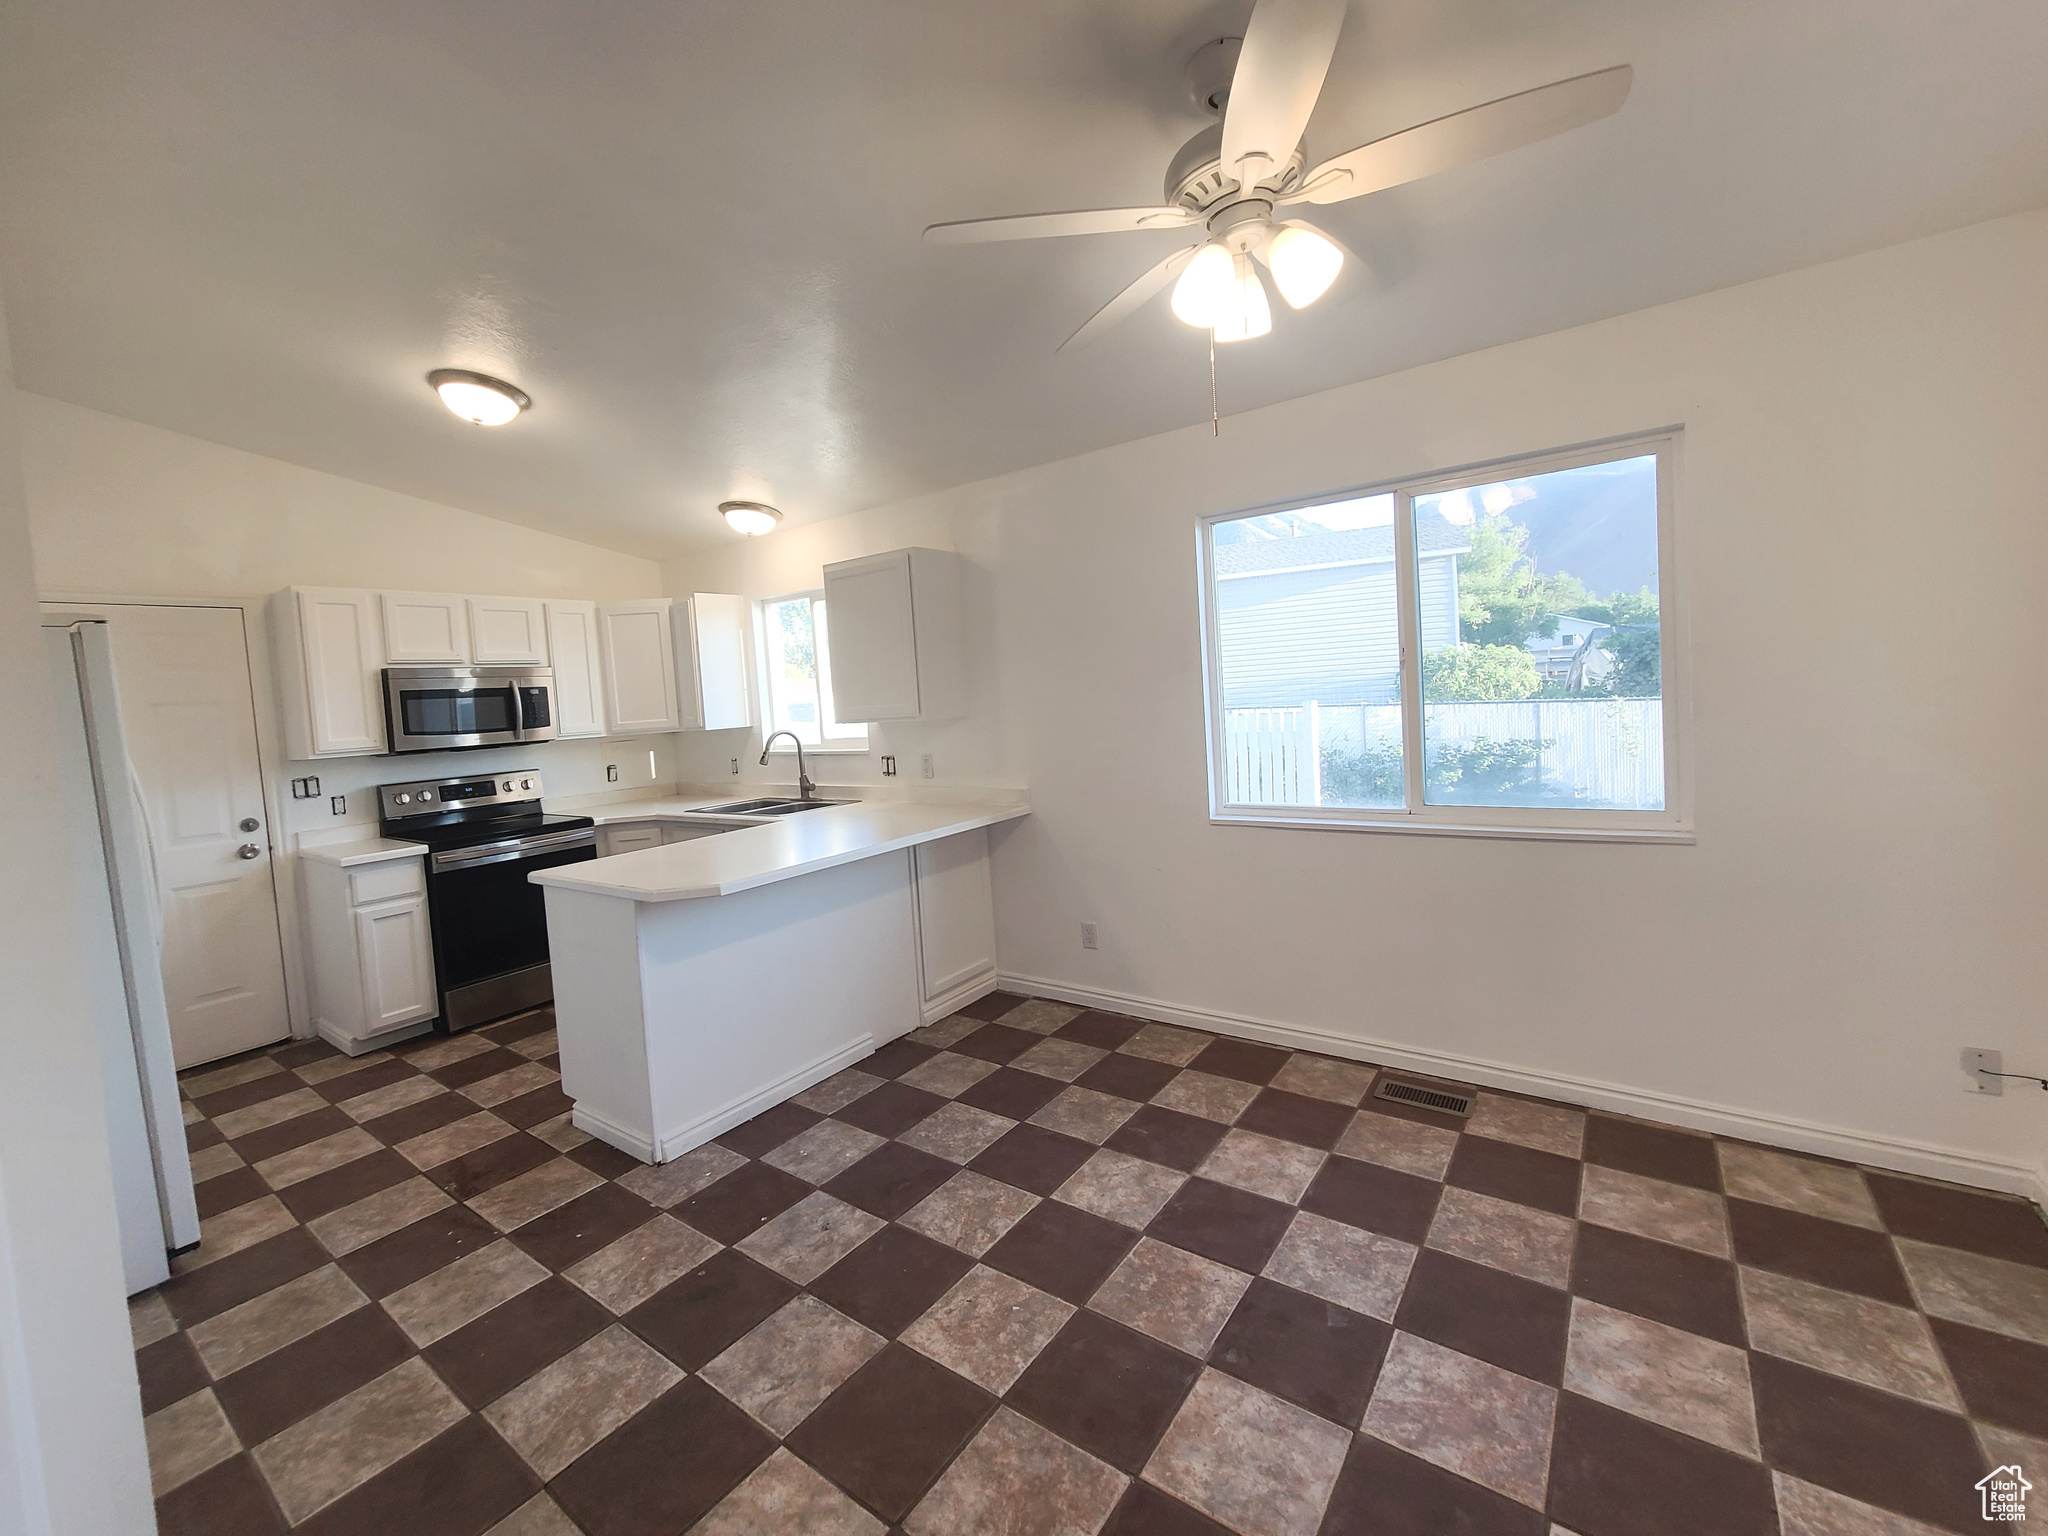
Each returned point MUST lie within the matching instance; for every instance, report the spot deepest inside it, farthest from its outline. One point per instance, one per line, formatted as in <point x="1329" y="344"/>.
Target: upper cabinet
<point x="507" y="631"/>
<point x="711" y="661"/>
<point x="330" y="652"/>
<point x="638" y="656"/>
<point x="579" y="675"/>
<point x="898" y="636"/>
<point x="425" y="629"/>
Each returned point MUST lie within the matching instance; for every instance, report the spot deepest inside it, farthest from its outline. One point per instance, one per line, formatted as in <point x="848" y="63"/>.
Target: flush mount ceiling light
<point x="752" y="518"/>
<point x="477" y="397"/>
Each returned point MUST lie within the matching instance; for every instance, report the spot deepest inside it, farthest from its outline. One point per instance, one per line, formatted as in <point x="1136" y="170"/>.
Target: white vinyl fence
<point x="1599" y="752"/>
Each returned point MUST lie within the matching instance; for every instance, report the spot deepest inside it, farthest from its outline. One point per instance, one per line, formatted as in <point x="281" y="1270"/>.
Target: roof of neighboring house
<point x="1355" y="546"/>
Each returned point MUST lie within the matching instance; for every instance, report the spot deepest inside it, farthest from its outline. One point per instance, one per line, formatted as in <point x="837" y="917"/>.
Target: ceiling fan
<point x="1240" y="176"/>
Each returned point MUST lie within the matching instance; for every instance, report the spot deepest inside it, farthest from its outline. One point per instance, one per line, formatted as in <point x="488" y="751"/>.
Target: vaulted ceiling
<point x="690" y="230"/>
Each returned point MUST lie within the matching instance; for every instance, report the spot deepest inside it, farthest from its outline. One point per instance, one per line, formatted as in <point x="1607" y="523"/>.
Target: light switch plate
<point x="1978" y="1062"/>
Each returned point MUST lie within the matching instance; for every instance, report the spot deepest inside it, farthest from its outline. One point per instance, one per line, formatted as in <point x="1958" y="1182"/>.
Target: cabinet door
<point x="639" y="667"/>
<point x="874" y="640"/>
<point x="507" y="631"/>
<point x="711" y="661"/>
<point x="425" y="629"/>
<point x="685" y="832"/>
<point x="395" y="952"/>
<point x="631" y="837"/>
<point x="338" y="639"/>
<point x="579" y="679"/>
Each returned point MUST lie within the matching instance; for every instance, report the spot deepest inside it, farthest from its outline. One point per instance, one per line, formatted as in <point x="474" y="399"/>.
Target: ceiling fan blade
<point x="1463" y="137"/>
<point x="1280" y="70"/>
<point x="1037" y="226"/>
<point x="1155" y="279"/>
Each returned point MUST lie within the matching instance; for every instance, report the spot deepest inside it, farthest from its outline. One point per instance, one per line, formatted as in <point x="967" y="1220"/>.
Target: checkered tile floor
<point x="1039" y="1270"/>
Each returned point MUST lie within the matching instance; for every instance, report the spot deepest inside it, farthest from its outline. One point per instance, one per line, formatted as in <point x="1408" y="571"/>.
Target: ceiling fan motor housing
<point x="1195" y="179"/>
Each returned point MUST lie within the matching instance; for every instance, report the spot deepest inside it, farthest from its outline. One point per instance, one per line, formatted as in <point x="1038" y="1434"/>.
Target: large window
<point x="1486" y="652"/>
<point x="795" y="642"/>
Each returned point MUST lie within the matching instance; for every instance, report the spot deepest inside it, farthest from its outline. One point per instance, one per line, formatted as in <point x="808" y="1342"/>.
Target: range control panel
<point x="436" y="797"/>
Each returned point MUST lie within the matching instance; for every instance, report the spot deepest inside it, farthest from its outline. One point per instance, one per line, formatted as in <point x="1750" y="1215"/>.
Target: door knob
<point x="248" y="851"/>
<point x="250" y="823"/>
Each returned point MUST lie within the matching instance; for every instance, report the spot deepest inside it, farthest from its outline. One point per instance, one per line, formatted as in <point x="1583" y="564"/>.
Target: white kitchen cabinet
<point x="898" y="636"/>
<point x="629" y="837"/>
<point x="579" y="675"/>
<point x="956" y="922"/>
<point x="329" y="645"/>
<point x="507" y="631"/>
<point x="425" y="629"/>
<point x="688" y="831"/>
<point x="372" y="949"/>
<point x="638" y="653"/>
<point x="711" y="661"/>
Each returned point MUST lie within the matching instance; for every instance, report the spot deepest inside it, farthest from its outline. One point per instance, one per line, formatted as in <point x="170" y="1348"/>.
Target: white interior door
<point x="188" y="706"/>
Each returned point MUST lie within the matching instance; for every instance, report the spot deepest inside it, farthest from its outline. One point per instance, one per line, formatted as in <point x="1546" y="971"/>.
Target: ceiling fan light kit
<point x="1234" y="175"/>
<point x="752" y="518"/>
<point x="477" y="397"/>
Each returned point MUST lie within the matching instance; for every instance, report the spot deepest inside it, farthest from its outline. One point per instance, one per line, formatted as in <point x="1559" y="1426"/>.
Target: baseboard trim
<point x="611" y="1133"/>
<point x="671" y="1144"/>
<point x="1921" y="1158"/>
<point x="977" y="986"/>
<point x="348" y="1045"/>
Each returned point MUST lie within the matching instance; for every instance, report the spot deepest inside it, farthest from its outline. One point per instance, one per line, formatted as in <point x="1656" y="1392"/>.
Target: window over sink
<point x="796" y="647"/>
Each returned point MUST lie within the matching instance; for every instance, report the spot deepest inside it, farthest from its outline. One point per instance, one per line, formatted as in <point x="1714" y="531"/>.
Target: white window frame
<point x="766" y="648"/>
<point x="1673" y="824"/>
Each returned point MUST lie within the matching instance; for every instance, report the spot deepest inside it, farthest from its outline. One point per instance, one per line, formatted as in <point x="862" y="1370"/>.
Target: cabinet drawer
<point x="381" y="882"/>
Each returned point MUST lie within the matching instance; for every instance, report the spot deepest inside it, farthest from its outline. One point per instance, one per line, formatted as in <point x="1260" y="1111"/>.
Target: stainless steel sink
<point x="771" y="807"/>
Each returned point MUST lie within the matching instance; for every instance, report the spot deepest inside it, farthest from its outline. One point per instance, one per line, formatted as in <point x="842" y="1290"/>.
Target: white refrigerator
<point x="115" y="885"/>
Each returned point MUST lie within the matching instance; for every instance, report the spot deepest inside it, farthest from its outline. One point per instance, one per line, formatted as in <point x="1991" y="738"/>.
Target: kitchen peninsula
<point x="700" y="982"/>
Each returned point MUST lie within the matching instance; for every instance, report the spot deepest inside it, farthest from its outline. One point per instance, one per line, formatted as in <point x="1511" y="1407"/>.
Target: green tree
<point x="1501" y="598"/>
<point x="1479" y="674"/>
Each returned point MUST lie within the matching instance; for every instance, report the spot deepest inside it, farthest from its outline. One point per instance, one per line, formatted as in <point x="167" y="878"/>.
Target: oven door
<point x="438" y="709"/>
<point x="491" y="926"/>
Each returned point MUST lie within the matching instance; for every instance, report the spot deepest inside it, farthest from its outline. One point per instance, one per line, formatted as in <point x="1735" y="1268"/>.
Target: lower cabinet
<point x="956" y="922"/>
<point x="373" y="953"/>
<point x="628" y="837"/>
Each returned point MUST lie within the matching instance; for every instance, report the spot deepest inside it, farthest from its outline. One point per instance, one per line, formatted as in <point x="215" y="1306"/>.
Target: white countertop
<point x="351" y="851"/>
<point x="754" y="855"/>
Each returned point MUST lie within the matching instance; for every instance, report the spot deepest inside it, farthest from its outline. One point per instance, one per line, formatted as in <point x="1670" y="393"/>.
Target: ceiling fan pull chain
<point x="1215" y="421"/>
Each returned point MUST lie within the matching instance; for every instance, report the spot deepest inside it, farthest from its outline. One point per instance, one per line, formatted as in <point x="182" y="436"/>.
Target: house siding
<point x="1330" y="635"/>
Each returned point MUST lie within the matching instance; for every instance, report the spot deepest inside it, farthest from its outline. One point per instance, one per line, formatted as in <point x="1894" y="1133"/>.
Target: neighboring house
<point x="1556" y="652"/>
<point x="1312" y="617"/>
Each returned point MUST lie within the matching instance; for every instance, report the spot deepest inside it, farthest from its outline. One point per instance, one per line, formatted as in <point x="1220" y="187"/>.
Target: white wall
<point x="1863" y="545"/>
<point x="71" y="1448"/>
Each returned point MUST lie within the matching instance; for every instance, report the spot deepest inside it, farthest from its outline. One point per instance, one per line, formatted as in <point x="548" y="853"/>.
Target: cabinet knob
<point x="248" y="851"/>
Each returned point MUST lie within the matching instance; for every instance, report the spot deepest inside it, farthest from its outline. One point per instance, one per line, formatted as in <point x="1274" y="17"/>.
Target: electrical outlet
<point x="1087" y="935"/>
<point x="611" y="773"/>
<point x="338" y="804"/>
<point x="929" y="771"/>
<point x="650" y="765"/>
<point x="1978" y="1063"/>
<point x="888" y="766"/>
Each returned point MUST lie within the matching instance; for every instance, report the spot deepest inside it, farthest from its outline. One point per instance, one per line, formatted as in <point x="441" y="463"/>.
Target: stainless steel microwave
<point x="441" y="709"/>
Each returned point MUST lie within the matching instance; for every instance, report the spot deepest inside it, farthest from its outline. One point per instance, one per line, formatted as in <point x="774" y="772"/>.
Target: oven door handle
<point x="516" y="848"/>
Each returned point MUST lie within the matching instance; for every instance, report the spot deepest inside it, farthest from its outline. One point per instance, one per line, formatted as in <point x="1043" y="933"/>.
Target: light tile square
<point x="1244" y="1457"/>
<point x="379" y="1215"/>
<point x="969" y="1212"/>
<point x="1085" y="1114"/>
<point x="1176" y="1297"/>
<point x="1064" y="1060"/>
<point x="1164" y="1042"/>
<point x="1340" y="1263"/>
<point x="670" y="1183"/>
<point x="1405" y="1145"/>
<point x="561" y="1411"/>
<point x="435" y="1305"/>
<point x="957" y="1132"/>
<point x="1671" y="1213"/>
<point x="187" y="1438"/>
<point x="1203" y="1094"/>
<point x="947" y="1074"/>
<point x="278" y="1317"/>
<point x="1517" y="1238"/>
<point x="1466" y="1416"/>
<point x="792" y="1362"/>
<point x="1265" y="1165"/>
<point x="1881" y="1345"/>
<point x="1543" y="1127"/>
<point x="448" y="1142"/>
<point x="810" y="1237"/>
<point x="1798" y="1184"/>
<point x="624" y="1273"/>
<point x="1697" y="1386"/>
<point x="1324" y="1077"/>
<point x="784" y="1494"/>
<point x="533" y="1193"/>
<point x="1022" y="1480"/>
<point x="1993" y="1294"/>
<point x="1126" y="1189"/>
<point x="989" y="1327"/>
<point x="347" y="1443"/>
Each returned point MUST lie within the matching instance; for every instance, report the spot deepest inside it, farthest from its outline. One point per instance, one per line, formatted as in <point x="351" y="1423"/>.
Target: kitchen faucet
<point x="803" y="780"/>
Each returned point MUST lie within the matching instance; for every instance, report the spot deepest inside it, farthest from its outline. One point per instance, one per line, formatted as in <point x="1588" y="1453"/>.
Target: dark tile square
<point x="1033" y="1158"/>
<point x="474" y="1069"/>
<point x="890" y="1180"/>
<point x="1108" y="1389"/>
<point x="206" y="1292"/>
<point x="895" y="1058"/>
<point x="522" y="1027"/>
<point x="890" y="1428"/>
<point x="1666" y="1284"/>
<point x="1006" y="1091"/>
<point x="1486" y="1313"/>
<point x="486" y="1359"/>
<point x="2003" y="1380"/>
<point x="1884" y="1450"/>
<point x="236" y="1187"/>
<point x="487" y="1167"/>
<point x="2000" y="1227"/>
<point x="574" y="1231"/>
<point x="1655" y="1152"/>
<point x="991" y="1007"/>
<point x="1386" y="1492"/>
<point x="300" y="1054"/>
<point x="280" y="1389"/>
<point x="1296" y="1117"/>
<point x="228" y="1500"/>
<point x="1094" y="1027"/>
<point x="769" y="1129"/>
<point x="1231" y="1226"/>
<point x="1244" y="1060"/>
<point x="242" y="1095"/>
<point x="664" y="1468"/>
<point x="312" y="1198"/>
<point x="1145" y="1511"/>
<point x="418" y="1119"/>
<point x="1520" y="1174"/>
<point x="1617" y="1475"/>
<point x="201" y="1134"/>
<point x="530" y="1109"/>
<point x="169" y="1371"/>
<point x="1128" y="1077"/>
<point x="1323" y="1357"/>
<point x="457" y="1484"/>
<point x="413" y="1252"/>
<point x="996" y="1042"/>
<point x="1061" y="1250"/>
<point x="693" y="1319"/>
<point x="891" y="1109"/>
<point x="1168" y="1137"/>
<point x="741" y="1201"/>
<point x="1825" y="1252"/>
<point x="285" y="1135"/>
<point x="379" y="1074"/>
<point x="606" y="1161"/>
<point x="1375" y="1198"/>
<point x="889" y="1280"/>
